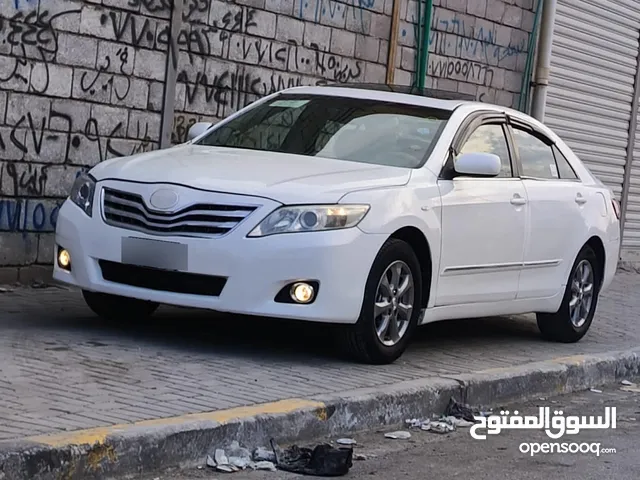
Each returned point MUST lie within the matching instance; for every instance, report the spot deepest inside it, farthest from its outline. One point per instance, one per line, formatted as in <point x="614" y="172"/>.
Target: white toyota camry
<point x="373" y="209"/>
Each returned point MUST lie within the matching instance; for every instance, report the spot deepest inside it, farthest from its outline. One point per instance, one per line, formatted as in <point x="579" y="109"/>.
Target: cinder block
<point x="315" y="34"/>
<point x="76" y="50"/>
<point x="343" y="42"/>
<point x="367" y="48"/>
<point x="289" y="28"/>
<point x="17" y="248"/>
<point x="280" y="6"/>
<point x="265" y="24"/>
<point x="144" y="125"/>
<point x="150" y="65"/>
<point x="513" y="16"/>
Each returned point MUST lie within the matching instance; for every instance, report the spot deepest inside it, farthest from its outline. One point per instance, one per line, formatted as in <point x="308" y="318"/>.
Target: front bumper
<point x="256" y="268"/>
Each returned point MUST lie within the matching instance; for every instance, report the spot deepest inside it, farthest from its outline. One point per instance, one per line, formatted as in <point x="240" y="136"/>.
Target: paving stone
<point x="63" y="369"/>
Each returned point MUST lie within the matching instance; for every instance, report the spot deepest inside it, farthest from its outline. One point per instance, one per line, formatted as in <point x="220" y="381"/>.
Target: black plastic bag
<point x="323" y="461"/>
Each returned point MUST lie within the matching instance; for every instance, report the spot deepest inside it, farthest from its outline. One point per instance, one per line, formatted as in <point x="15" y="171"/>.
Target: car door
<point x="557" y="201"/>
<point x="483" y="225"/>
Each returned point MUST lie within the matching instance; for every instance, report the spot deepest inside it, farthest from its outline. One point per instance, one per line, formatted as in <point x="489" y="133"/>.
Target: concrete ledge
<point x="149" y="446"/>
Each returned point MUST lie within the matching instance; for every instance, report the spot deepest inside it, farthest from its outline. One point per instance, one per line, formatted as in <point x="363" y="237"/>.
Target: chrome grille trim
<point x="129" y="211"/>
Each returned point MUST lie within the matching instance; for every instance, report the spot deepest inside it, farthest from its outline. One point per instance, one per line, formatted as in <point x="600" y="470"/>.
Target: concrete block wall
<point x="83" y="81"/>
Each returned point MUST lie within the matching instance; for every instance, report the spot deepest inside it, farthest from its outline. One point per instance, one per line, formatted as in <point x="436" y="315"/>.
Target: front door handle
<point x="518" y="200"/>
<point x="580" y="200"/>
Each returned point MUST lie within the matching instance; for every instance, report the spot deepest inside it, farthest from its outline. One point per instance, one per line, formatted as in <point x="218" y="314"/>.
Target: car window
<point x="490" y="139"/>
<point x="564" y="167"/>
<point x="353" y="129"/>
<point x="536" y="157"/>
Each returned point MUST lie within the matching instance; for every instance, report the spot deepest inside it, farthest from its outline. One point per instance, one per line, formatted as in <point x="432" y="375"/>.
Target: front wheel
<point x="572" y="321"/>
<point x="115" y="307"/>
<point x="391" y="306"/>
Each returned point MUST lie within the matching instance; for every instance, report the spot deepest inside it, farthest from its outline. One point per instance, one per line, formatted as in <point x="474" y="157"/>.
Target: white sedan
<point x="377" y="210"/>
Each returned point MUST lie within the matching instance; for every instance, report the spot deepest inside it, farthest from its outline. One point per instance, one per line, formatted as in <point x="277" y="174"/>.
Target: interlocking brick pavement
<point x="61" y="368"/>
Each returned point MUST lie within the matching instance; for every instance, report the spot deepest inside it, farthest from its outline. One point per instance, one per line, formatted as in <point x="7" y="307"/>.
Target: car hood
<point x="279" y="176"/>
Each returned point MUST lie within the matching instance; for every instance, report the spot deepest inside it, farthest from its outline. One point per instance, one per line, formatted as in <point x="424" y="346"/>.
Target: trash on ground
<point x="265" y="465"/>
<point x="262" y="454"/>
<point x="633" y="389"/>
<point x="438" y="427"/>
<point x="627" y="383"/>
<point x="227" y="468"/>
<point x="211" y="462"/>
<point x="5" y="290"/>
<point x="458" y="410"/>
<point x="321" y="461"/>
<point x="595" y="390"/>
<point x="542" y="399"/>
<point x="360" y="456"/>
<point x="346" y="441"/>
<point x="220" y="458"/>
<point x="400" y="435"/>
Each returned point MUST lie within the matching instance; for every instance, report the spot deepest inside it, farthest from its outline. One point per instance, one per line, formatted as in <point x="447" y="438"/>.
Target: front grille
<point x="128" y="210"/>
<point x="163" y="280"/>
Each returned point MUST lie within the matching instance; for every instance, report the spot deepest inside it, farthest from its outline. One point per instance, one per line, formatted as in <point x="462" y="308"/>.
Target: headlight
<point x="82" y="192"/>
<point x="310" y="218"/>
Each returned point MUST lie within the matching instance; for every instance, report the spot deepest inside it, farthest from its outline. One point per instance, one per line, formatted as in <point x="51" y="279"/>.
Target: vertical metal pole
<point x="171" y="75"/>
<point x="631" y="143"/>
<point x="393" y="42"/>
<point x="543" y="67"/>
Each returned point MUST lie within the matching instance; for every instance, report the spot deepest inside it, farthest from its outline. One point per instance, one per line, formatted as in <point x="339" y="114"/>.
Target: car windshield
<point x="353" y="129"/>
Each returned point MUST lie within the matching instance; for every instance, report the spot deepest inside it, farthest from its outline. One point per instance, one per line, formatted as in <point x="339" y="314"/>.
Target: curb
<point x="153" y="445"/>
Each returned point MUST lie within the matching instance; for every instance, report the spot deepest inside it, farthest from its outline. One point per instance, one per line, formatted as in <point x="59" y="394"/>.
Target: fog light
<point x="64" y="259"/>
<point x="302" y="292"/>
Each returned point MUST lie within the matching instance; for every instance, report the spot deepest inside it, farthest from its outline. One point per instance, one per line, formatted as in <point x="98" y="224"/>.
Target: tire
<point x="361" y="340"/>
<point x="115" y="307"/>
<point x="560" y="326"/>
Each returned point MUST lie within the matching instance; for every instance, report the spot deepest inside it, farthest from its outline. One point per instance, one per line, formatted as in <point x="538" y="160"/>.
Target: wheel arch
<point x="597" y="245"/>
<point x="420" y="245"/>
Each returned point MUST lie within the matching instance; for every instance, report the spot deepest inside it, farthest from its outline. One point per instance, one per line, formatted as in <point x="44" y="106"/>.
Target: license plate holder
<point x="159" y="254"/>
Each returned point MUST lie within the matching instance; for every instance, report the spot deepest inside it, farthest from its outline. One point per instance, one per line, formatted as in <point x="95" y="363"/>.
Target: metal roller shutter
<point x="631" y="234"/>
<point x="593" y="67"/>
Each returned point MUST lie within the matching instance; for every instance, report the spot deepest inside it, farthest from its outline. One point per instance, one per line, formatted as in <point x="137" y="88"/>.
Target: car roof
<point x="439" y="99"/>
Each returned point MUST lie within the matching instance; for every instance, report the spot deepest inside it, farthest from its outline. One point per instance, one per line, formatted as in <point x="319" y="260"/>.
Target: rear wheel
<point x="115" y="307"/>
<point x="391" y="306"/>
<point x="572" y="321"/>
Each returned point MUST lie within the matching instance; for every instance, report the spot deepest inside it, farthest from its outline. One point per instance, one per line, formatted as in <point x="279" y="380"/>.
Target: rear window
<point x="358" y="130"/>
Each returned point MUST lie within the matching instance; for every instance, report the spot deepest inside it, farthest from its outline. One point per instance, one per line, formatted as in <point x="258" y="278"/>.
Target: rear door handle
<point x="518" y="200"/>
<point x="580" y="200"/>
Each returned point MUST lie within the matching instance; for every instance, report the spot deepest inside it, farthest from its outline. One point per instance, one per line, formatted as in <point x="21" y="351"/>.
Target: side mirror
<point x="478" y="164"/>
<point x="198" y="129"/>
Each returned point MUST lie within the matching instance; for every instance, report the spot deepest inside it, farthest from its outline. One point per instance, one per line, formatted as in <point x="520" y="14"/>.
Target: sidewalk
<point x="62" y="369"/>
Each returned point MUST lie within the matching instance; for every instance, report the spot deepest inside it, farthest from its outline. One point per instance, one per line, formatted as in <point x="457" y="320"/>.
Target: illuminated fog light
<point x="302" y="292"/>
<point x="64" y="259"/>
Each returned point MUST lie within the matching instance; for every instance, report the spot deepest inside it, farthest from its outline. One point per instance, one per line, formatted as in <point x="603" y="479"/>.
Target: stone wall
<point x="83" y="81"/>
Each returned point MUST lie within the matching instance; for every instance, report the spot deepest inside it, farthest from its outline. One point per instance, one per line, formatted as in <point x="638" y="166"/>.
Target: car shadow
<point x="202" y="332"/>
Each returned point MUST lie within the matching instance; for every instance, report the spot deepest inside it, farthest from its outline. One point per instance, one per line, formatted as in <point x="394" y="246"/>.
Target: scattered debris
<point x="400" y="435"/>
<point x="360" y="457"/>
<point x="227" y="468"/>
<point x="346" y="441"/>
<point x="595" y="390"/>
<point x="5" y="290"/>
<point x="458" y="410"/>
<point x="438" y="427"/>
<point x="211" y="462"/>
<point x="627" y="383"/>
<point x="542" y="399"/>
<point x="323" y="461"/>
<point x="265" y="465"/>
<point x="220" y="458"/>
<point x="261" y="454"/>
<point x="633" y="389"/>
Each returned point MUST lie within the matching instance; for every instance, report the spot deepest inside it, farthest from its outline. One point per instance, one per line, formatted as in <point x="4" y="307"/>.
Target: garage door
<point x="593" y="68"/>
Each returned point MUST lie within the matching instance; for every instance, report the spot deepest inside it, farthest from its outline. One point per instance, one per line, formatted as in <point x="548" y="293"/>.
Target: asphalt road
<point x="457" y="455"/>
